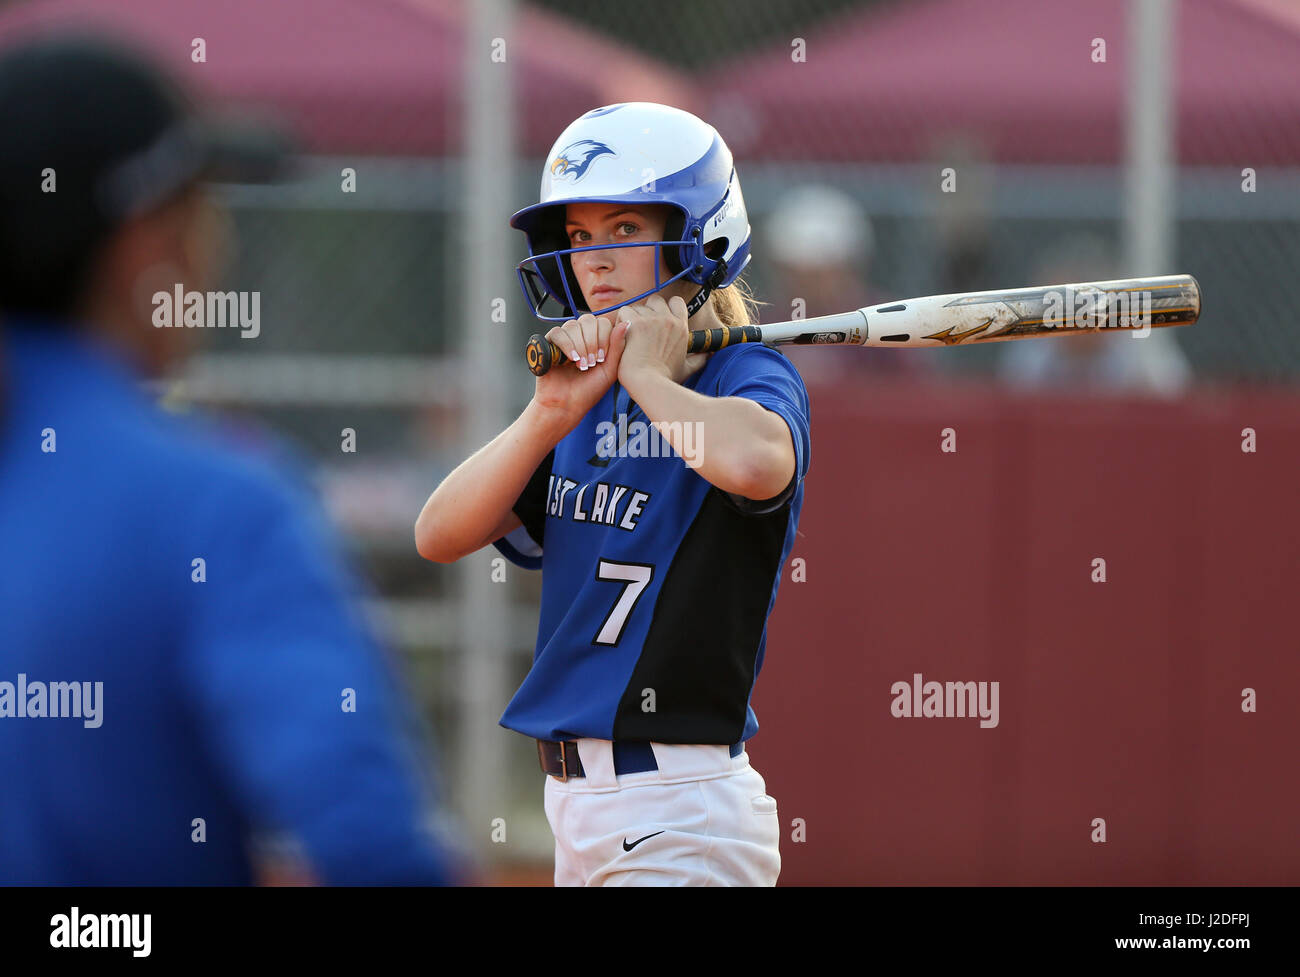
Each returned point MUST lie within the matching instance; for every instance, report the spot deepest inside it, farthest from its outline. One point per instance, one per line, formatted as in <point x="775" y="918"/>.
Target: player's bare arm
<point x="477" y="496"/>
<point x="473" y="505"/>
<point x="748" y="449"/>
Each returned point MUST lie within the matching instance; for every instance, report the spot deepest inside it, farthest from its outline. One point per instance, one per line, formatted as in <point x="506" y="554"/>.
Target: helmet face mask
<point x="685" y="165"/>
<point x="549" y="278"/>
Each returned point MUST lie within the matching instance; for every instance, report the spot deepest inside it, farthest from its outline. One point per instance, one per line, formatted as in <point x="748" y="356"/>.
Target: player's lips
<point x="600" y="290"/>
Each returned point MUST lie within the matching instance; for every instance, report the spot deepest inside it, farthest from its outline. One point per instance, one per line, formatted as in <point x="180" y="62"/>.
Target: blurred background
<point x="887" y="149"/>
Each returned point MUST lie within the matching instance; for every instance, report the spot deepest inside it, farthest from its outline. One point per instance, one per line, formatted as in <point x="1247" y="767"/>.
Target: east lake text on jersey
<point x="596" y="502"/>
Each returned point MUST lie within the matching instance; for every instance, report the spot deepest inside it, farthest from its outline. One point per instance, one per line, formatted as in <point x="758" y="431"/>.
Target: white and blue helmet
<point x="638" y="153"/>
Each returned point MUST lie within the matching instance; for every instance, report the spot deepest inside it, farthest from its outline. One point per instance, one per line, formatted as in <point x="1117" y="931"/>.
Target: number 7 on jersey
<point x="637" y="577"/>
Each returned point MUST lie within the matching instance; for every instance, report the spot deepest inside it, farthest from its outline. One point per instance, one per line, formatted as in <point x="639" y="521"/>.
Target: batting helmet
<point x="638" y="153"/>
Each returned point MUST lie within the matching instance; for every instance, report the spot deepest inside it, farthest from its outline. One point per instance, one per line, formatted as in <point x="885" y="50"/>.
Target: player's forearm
<point x="734" y="443"/>
<point x="474" y="499"/>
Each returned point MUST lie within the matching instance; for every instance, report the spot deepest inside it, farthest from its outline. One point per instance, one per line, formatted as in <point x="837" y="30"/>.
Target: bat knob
<point x="541" y="355"/>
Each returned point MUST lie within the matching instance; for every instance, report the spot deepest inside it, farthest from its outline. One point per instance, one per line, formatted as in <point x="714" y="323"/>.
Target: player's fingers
<point x="574" y="329"/>
<point x="617" y="342"/>
<point x="677" y="306"/>
<point x="604" y="326"/>
<point x="590" y="337"/>
<point x="561" y="337"/>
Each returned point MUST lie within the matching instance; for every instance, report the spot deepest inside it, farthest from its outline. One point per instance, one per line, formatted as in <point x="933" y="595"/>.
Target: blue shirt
<point x="223" y="682"/>
<point x="656" y="585"/>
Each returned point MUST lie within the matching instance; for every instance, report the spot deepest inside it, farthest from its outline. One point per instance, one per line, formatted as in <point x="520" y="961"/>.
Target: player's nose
<point x="597" y="260"/>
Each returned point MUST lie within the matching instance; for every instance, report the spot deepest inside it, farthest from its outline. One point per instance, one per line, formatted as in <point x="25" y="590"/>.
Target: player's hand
<point x="594" y="348"/>
<point x="657" y="340"/>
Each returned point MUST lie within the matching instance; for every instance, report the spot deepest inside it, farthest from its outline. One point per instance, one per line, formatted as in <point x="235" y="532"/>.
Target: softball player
<point x="661" y="553"/>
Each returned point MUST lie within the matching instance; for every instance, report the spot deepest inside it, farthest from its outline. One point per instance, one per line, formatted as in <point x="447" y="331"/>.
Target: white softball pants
<point x="702" y="818"/>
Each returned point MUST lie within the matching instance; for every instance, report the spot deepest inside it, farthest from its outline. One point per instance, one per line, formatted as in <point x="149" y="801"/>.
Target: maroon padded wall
<point x="1118" y="700"/>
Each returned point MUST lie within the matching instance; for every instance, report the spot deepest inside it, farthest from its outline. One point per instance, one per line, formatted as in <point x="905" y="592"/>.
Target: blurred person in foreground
<point x="182" y="668"/>
<point x="1110" y="360"/>
<point x="822" y="243"/>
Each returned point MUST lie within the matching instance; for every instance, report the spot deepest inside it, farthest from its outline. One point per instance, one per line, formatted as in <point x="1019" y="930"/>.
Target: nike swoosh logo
<point x="627" y="847"/>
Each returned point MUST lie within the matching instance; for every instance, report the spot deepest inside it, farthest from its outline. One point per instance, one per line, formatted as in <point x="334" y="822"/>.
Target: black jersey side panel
<point x="530" y="507"/>
<point x="700" y="653"/>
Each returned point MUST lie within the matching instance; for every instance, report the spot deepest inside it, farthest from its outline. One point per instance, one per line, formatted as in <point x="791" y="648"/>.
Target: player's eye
<point x="575" y="235"/>
<point x="627" y="224"/>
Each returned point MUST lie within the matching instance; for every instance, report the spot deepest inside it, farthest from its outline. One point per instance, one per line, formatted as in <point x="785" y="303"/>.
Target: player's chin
<point x="600" y="304"/>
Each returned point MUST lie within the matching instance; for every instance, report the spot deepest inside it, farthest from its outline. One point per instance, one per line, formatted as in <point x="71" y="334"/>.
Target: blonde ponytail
<point x="735" y="305"/>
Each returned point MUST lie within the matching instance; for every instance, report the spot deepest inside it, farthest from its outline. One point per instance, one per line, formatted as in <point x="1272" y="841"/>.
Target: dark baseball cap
<point x="92" y="133"/>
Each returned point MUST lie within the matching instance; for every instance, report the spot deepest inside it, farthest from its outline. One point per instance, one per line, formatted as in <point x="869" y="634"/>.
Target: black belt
<point x="560" y="758"/>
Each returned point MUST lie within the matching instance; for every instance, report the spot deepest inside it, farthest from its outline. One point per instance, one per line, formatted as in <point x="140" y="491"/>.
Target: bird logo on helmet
<point x="574" y="160"/>
<point x="681" y="161"/>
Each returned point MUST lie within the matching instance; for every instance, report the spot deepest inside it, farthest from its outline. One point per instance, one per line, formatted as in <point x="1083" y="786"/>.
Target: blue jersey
<point x="656" y="585"/>
<point x="158" y="714"/>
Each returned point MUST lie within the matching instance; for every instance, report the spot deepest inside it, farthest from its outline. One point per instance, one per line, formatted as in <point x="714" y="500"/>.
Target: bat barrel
<point x="1174" y="300"/>
<point x="1126" y="304"/>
